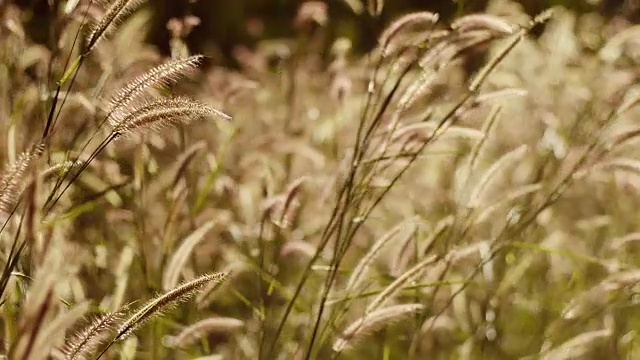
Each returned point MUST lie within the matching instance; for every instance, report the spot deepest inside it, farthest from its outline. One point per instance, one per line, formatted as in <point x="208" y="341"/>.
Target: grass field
<point x="466" y="190"/>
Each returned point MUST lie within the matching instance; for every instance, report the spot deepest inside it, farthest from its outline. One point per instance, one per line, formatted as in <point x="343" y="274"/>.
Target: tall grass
<point x="398" y="204"/>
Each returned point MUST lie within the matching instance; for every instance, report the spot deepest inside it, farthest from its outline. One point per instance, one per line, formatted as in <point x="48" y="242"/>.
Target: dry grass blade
<point x="282" y="208"/>
<point x="180" y="256"/>
<point x="487" y="126"/>
<point x="486" y="70"/>
<point x="360" y="271"/>
<point x="162" y="75"/>
<point x="418" y="19"/>
<point x="374" y="7"/>
<point x="85" y="342"/>
<point x="298" y="249"/>
<point x="452" y="131"/>
<point x="58" y="169"/>
<point x="622" y="241"/>
<point x="202" y="328"/>
<point x="505" y="160"/>
<point x="395" y="286"/>
<point x="483" y="22"/>
<point x="355" y="6"/>
<point x="176" y="171"/>
<point x="622" y="138"/>
<point x="55" y="329"/>
<point x="293" y="190"/>
<point x="577" y="346"/>
<point x="168" y="299"/>
<point x="440" y="227"/>
<point x="509" y="197"/>
<point x="628" y="164"/>
<point x="162" y="113"/>
<point x="371" y="322"/>
<point x="601" y="294"/>
<point x="408" y="250"/>
<point x="39" y="306"/>
<point x="614" y="48"/>
<point x="503" y="94"/>
<point x="468" y="170"/>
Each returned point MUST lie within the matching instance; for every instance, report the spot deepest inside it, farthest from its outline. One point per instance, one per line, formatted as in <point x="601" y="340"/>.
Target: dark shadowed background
<point x="225" y="25"/>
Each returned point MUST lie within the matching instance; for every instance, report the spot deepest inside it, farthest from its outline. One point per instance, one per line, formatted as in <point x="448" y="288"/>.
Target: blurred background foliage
<point x="297" y="123"/>
<point x="224" y="26"/>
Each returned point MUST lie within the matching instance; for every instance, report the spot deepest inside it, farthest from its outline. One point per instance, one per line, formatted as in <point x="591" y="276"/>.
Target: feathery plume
<point x="483" y="22"/>
<point x="13" y="179"/>
<point x="372" y="321"/>
<point x="85" y="342"/>
<point x="114" y="15"/>
<point x="162" y="113"/>
<point x="160" y="76"/>
<point x="416" y="19"/>
<point x="168" y="299"/>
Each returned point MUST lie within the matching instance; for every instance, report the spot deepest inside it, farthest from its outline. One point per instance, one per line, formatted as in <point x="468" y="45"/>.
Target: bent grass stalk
<point x="85" y="342"/>
<point x="155" y="307"/>
<point x="472" y="90"/>
<point x="370" y="322"/>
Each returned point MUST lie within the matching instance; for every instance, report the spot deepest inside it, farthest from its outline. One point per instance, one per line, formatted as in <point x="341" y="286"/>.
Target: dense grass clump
<point x="317" y="203"/>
